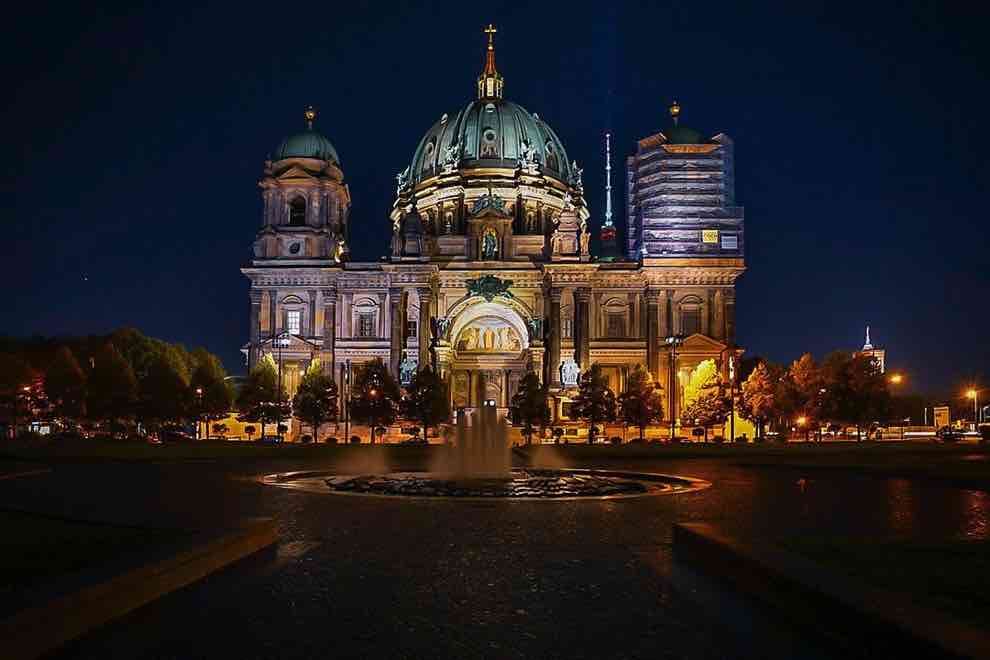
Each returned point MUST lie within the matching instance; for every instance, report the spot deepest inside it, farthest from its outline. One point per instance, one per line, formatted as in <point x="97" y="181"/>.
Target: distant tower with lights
<point x="610" y="248"/>
<point x="878" y="354"/>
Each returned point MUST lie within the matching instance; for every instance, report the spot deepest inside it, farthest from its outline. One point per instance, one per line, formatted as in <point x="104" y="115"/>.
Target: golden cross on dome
<point x="490" y="31"/>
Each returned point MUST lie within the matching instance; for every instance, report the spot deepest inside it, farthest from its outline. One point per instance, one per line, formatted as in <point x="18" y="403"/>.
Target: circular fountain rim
<point x="312" y="481"/>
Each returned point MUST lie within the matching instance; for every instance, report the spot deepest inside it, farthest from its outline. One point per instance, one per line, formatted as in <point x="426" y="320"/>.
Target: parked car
<point x="948" y="434"/>
<point x="175" y="435"/>
<point x="270" y="440"/>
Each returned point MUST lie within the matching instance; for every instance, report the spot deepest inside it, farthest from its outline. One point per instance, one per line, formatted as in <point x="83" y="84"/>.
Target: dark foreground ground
<point x="356" y="577"/>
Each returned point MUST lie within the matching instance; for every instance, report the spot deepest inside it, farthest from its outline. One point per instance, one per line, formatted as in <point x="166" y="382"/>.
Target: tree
<point x="374" y="396"/>
<point x="641" y="405"/>
<point x="315" y="402"/>
<point x="594" y="402"/>
<point x="856" y="391"/>
<point x="529" y="406"/>
<point x="249" y="431"/>
<point x="164" y="394"/>
<point x="212" y="394"/>
<point x="16" y="378"/>
<point x="426" y="400"/>
<point x="260" y="399"/>
<point x="65" y="385"/>
<point x="710" y="406"/>
<point x="220" y="429"/>
<point x="801" y="394"/>
<point x="113" y="388"/>
<point x="759" y="396"/>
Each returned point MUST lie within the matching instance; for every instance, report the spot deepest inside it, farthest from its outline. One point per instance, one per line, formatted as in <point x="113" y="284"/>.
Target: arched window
<point x="616" y="311"/>
<point x="297" y="212"/>
<point x="690" y="315"/>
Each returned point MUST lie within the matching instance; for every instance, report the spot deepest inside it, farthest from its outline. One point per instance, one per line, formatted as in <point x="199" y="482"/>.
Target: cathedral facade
<point x="490" y="273"/>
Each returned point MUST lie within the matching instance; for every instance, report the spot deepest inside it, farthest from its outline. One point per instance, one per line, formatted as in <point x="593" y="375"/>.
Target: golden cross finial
<point x="490" y="31"/>
<point x="310" y="115"/>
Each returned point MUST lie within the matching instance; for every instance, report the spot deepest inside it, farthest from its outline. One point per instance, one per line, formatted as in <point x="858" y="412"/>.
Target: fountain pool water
<point x="479" y="465"/>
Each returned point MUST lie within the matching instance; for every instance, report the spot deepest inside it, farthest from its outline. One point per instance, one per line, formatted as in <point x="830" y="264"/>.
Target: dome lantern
<point x="490" y="82"/>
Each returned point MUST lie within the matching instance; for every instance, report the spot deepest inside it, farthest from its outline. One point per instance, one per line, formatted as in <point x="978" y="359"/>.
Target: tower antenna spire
<point x="867" y="346"/>
<point x="608" y="179"/>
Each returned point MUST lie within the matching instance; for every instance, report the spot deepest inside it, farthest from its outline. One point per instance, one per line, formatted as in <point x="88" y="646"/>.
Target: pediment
<point x="295" y="172"/>
<point x="702" y="344"/>
<point x="288" y="343"/>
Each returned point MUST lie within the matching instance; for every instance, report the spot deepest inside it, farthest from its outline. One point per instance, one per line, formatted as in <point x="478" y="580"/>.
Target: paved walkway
<point x="359" y="577"/>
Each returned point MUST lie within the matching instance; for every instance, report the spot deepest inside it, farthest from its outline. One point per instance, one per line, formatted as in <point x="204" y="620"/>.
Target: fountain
<point x="479" y="466"/>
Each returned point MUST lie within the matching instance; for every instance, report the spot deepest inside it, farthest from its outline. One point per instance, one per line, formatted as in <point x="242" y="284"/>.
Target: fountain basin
<point x="519" y="484"/>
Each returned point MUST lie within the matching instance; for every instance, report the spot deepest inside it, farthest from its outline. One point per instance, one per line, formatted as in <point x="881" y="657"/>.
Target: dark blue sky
<point x="135" y="137"/>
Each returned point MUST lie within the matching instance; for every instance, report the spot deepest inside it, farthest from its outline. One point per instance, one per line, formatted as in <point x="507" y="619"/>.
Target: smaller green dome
<point x="308" y="144"/>
<point x="683" y="135"/>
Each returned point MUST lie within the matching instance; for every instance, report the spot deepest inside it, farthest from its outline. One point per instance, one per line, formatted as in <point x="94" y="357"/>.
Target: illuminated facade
<point x="490" y="272"/>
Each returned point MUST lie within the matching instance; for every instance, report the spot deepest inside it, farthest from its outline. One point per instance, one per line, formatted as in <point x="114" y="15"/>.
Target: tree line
<point x="116" y="383"/>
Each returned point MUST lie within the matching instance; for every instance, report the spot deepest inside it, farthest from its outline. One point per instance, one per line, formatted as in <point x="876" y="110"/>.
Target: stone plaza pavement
<point x="359" y="577"/>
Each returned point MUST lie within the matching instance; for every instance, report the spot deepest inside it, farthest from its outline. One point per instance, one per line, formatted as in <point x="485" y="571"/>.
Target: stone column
<point x="718" y="325"/>
<point x="311" y="325"/>
<point x="425" y="294"/>
<point x="582" y="343"/>
<point x="666" y="314"/>
<point x="633" y="317"/>
<point x="653" y="332"/>
<point x="554" y="364"/>
<point x="329" y="330"/>
<point x="255" y="335"/>
<point x="395" y="345"/>
<point x="269" y="197"/>
<point x="382" y="325"/>
<point x="272" y="309"/>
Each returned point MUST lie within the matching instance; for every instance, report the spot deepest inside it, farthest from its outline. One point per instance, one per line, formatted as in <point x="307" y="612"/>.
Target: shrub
<point x="615" y="440"/>
<point x="331" y="440"/>
<point x="718" y="439"/>
<point x="355" y="440"/>
<point x="306" y="439"/>
<point x="742" y="438"/>
<point x="985" y="434"/>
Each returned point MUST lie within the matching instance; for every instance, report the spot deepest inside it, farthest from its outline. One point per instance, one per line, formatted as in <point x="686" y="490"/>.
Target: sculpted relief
<point x="489" y="335"/>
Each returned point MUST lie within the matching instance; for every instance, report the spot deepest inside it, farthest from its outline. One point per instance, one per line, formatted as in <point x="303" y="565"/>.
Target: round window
<point x="294" y="248"/>
<point x="489" y="135"/>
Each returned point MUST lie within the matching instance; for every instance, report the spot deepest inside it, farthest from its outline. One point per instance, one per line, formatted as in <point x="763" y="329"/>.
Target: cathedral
<point x="490" y="274"/>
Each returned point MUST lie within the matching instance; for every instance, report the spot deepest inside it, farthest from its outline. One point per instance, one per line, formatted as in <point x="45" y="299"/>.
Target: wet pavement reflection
<point x="363" y="577"/>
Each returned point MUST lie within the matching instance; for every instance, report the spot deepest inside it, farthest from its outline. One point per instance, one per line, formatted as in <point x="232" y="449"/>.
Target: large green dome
<point x="308" y="144"/>
<point x="490" y="132"/>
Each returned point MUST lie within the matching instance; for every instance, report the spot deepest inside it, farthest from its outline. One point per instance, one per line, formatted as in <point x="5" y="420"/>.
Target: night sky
<point x="134" y="140"/>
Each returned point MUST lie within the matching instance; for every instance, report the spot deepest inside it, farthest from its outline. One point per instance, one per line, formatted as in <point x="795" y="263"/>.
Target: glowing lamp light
<point x="971" y="394"/>
<point x="802" y="421"/>
<point x="896" y="379"/>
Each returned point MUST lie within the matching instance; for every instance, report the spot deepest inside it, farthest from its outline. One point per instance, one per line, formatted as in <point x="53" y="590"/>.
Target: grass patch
<point x="37" y="548"/>
<point x="952" y="576"/>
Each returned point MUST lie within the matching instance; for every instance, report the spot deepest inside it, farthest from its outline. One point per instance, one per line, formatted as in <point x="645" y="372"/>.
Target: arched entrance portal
<point x="489" y="355"/>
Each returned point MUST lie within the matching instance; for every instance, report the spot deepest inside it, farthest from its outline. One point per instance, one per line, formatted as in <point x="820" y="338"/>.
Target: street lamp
<point x="974" y="394"/>
<point x="897" y="379"/>
<point x="673" y="341"/>
<point x="282" y="339"/>
<point x="801" y="421"/>
<point x="199" y="415"/>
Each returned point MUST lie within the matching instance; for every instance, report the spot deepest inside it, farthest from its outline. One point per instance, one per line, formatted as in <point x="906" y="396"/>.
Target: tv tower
<point x="610" y="251"/>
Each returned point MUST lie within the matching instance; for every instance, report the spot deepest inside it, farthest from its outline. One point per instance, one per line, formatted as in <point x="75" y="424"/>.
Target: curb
<point x="38" y="630"/>
<point x="831" y="603"/>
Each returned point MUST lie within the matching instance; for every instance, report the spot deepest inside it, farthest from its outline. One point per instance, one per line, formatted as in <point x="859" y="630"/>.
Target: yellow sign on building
<point x="709" y="236"/>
